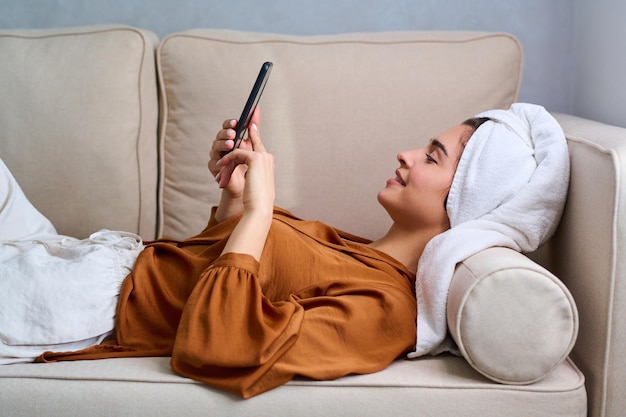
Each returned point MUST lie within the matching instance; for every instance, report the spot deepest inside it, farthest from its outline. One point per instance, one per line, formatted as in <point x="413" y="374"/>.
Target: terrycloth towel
<point x="509" y="190"/>
<point x="61" y="294"/>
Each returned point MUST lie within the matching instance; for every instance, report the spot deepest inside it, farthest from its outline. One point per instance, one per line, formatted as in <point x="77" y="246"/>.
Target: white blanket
<point x="509" y="190"/>
<point x="61" y="294"/>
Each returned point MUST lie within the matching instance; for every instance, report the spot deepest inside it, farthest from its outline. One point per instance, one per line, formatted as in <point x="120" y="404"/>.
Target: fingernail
<point x="253" y="126"/>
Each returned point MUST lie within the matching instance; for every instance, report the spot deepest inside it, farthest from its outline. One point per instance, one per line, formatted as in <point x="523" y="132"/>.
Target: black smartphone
<point x="253" y="100"/>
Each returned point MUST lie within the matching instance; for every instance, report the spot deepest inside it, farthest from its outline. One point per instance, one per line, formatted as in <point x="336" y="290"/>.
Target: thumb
<point x="255" y="135"/>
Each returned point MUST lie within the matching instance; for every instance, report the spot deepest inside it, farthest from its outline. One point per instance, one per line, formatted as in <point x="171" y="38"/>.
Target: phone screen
<point x="253" y="100"/>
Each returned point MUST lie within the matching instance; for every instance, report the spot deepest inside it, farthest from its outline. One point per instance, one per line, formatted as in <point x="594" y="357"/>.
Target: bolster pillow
<point x="512" y="320"/>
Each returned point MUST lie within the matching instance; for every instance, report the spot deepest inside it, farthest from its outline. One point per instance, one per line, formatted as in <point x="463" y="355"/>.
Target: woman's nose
<point x="401" y="158"/>
<point x="408" y="157"/>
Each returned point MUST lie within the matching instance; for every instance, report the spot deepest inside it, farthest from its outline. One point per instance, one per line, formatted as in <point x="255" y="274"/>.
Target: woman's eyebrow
<point x="437" y="144"/>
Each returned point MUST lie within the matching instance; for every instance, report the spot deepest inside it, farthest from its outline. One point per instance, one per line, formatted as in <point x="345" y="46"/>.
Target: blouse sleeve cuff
<point x="237" y="260"/>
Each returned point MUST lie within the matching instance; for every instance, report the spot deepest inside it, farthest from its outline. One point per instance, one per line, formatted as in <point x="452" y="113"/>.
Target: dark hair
<point x="475" y="122"/>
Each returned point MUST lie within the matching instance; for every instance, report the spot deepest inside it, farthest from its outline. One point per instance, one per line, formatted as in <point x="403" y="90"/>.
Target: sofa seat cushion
<point x="434" y="386"/>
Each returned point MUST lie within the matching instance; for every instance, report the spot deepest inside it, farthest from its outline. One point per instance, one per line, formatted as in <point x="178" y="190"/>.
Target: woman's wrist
<point x="228" y="206"/>
<point x="249" y="236"/>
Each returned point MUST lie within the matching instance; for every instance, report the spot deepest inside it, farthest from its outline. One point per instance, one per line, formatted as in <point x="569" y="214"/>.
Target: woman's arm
<point x="258" y="196"/>
<point x="247" y="178"/>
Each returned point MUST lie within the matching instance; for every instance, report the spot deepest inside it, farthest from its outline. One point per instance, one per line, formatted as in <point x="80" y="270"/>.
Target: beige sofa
<point x="110" y="127"/>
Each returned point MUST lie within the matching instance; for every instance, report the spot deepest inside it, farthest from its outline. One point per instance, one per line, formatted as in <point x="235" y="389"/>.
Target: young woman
<point x="414" y="198"/>
<point x="260" y="296"/>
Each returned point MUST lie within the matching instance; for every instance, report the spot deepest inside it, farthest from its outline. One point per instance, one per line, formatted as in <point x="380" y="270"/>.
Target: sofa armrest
<point x="587" y="253"/>
<point x="512" y="320"/>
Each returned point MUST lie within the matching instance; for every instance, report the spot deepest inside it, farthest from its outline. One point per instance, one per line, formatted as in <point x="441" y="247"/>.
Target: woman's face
<point x="415" y="197"/>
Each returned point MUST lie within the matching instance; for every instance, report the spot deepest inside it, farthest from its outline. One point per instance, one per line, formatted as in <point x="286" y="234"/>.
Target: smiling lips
<point x="399" y="179"/>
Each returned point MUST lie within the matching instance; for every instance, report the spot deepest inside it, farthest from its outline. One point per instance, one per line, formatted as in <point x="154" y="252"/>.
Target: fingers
<point x="229" y="124"/>
<point x="226" y="165"/>
<point x="224" y="141"/>
<point x="256" y="116"/>
<point x="255" y="138"/>
<point x="224" y="174"/>
<point x="259" y="185"/>
<point x="253" y="131"/>
<point x="238" y="156"/>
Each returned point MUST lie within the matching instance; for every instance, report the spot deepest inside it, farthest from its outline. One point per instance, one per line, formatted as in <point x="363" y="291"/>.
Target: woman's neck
<point x="406" y="246"/>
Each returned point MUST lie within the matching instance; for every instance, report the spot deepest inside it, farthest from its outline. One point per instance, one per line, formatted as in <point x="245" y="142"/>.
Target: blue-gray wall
<point x="557" y="36"/>
<point x="599" y="56"/>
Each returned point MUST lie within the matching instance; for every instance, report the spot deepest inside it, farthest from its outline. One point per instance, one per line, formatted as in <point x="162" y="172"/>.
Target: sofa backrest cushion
<point x="335" y="112"/>
<point x="78" y="125"/>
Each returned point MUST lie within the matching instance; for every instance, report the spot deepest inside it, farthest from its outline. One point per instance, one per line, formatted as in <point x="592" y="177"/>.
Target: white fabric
<point x="61" y="294"/>
<point x="509" y="190"/>
<point x="57" y="293"/>
<point x="18" y="218"/>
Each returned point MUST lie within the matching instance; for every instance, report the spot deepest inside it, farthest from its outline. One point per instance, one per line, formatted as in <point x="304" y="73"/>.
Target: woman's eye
<point x="429" y="158"/>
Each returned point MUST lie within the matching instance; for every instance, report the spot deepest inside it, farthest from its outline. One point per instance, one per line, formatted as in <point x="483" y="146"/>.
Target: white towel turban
<point x="509" y="190"/>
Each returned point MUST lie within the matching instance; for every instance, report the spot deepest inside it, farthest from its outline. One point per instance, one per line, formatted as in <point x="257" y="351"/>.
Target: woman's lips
<point x="396" y="181"/>
<point x="399" y="179"/>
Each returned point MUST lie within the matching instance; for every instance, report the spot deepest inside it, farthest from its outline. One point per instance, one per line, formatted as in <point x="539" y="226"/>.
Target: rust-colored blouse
<point x="319" y="304"/>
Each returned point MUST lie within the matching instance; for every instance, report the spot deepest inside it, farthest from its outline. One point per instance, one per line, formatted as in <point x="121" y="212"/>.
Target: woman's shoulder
<point x="316" y="227"/>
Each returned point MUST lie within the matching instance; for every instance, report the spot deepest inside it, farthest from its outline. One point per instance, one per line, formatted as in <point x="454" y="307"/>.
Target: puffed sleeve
<point x="232" y="337"/>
